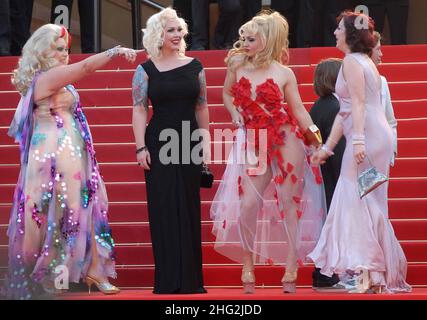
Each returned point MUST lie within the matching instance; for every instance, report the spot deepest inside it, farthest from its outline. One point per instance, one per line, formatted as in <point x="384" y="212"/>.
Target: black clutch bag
<point x="207" y="177"/>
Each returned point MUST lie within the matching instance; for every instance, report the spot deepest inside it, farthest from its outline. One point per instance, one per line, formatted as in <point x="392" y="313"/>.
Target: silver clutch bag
<point x="369" y="180"/>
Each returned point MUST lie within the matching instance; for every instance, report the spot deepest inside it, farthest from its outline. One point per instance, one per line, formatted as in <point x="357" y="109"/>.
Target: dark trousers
<point x="183" y="8"/>
<point x="15" y="23"/>
<point x="87" y="26"/>
<point x="397" y="15"/>
<point x="316" y="21"/>
<point x="250" y="8"/>
<point x="226" y="31"/>
<point x="290" y="10"/>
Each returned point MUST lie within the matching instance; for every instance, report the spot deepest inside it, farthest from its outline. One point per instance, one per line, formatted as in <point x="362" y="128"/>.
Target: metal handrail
<point x="136" y="20"/>
<point x="97" y="34"/>
<point x="153" y="4"/>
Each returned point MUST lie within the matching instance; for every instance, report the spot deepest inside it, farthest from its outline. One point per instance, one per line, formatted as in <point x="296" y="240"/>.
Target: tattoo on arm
<point x="140" y="88"/>
<point x="203" y="92"/>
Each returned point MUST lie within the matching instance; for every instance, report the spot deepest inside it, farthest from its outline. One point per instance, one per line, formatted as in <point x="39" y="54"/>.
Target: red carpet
<point x="236" y="294"/>
<point x="106" y="97"/>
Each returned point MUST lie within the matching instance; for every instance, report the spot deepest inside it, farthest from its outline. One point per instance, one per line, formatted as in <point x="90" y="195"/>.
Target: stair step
<point x="143" y="277"/>
<point x="216" y="76"/>
<point x="217" y="113"/>
<point x="391" y="54"/>
<point x="408" y="128"/>
<point x="137" y="212"/>
<point x="142" y="255"/>
<point x="123" y="97"/>
<point x="298" y="56"/>
<point x="125" y="152"/>
<point x="140" y="233"/>
<point x="130" y="172"/>
<point x="125" y="191"/>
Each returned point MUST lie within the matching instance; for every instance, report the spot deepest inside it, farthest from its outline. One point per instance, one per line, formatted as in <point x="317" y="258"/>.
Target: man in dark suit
<point x="290" y="10"/>
<point x="15" y="23"/>
<point x="322" y="21"/>
<point x="250" y="9"/>
<point x="397" y="16"/>
<point x="183" y="8"/>
<point x="87" y="26"/>
<point x="226" y="30"/>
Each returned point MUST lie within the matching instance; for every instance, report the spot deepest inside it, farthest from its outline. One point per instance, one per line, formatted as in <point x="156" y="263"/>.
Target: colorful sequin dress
<point x="59" y="196"/>
<point x="280" y="220"/>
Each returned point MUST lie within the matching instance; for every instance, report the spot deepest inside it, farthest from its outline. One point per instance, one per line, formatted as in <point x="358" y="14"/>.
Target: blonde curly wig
<point x="37" y="55"/>
<point x="154" y="32"/>
<point x="273" y="30"/>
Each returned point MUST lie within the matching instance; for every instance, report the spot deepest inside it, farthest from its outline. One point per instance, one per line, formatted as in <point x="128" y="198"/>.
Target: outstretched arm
<point x="52" y="80"/>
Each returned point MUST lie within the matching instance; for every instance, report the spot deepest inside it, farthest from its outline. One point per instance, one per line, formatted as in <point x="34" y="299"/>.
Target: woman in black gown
<point x="170" y="153"/>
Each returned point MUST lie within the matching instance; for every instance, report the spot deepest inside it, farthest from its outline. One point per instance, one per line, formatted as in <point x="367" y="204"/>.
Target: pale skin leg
<point x="292" y="153"/>
<point x="252" y="186"/>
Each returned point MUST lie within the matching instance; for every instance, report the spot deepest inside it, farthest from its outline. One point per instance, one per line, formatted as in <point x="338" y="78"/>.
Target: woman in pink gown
<point x="357" y="235"/>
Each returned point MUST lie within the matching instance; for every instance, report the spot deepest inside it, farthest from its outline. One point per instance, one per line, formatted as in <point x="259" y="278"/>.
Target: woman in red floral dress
<point x="270" y="205"/>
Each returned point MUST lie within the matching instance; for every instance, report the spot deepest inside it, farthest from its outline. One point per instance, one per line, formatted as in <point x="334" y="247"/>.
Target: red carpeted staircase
<point x="106" y="96"/>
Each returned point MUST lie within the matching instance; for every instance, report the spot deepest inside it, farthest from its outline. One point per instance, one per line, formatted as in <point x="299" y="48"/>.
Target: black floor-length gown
<point x="173" y="190"/>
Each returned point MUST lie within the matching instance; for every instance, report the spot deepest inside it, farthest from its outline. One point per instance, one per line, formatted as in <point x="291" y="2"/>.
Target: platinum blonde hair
<point x="273" y="30"/>
<point x="154" y="32"/>
<point x="37" y="55"/>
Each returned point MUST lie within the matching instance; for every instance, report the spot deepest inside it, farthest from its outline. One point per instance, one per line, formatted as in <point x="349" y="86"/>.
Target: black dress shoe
<point x="4" y="52"/>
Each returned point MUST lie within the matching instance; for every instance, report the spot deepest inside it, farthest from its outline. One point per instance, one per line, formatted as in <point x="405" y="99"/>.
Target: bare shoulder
<point x="350" y="61"/>
<point x="284" y="72"/>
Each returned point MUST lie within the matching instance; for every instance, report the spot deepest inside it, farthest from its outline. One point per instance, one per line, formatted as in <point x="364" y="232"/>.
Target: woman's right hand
<point x="143" y="158"/>
<point x="318" y="157"/>
<point x="237" y="118"/>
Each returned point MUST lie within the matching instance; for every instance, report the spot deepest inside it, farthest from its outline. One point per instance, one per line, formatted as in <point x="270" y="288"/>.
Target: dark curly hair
<point x="358" y="39"/>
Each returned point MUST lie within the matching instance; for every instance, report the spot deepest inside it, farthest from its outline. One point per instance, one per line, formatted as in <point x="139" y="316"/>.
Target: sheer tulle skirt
<point x="278" y="221"/>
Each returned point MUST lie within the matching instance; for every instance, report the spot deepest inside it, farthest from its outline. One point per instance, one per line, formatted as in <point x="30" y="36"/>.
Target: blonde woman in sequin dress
<point x="59" y="213"/>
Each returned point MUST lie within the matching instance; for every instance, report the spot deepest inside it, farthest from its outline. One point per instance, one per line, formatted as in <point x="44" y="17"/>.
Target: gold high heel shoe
<point x="248" y="281"/>
<point x="289" y="281"/>
<point x="378" y="289"/>
<point x="104" y="287"/>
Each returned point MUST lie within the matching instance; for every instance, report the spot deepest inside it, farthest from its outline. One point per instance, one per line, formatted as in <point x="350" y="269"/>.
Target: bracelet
<point x="331" y="140"/>
<point x="111" y="53"/>
<point x="358" y="136"/>
<point x="141" y="149"/>
<point x="361" y="142"/>
<point x="327" y="150"/>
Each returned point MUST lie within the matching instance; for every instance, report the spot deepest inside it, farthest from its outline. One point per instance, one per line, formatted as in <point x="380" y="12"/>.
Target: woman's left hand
<point x="359" y="153"/>
<point x="206" y="153"/>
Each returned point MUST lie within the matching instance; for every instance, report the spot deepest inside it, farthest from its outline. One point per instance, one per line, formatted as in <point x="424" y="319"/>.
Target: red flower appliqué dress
<point x="277" y="215"/>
